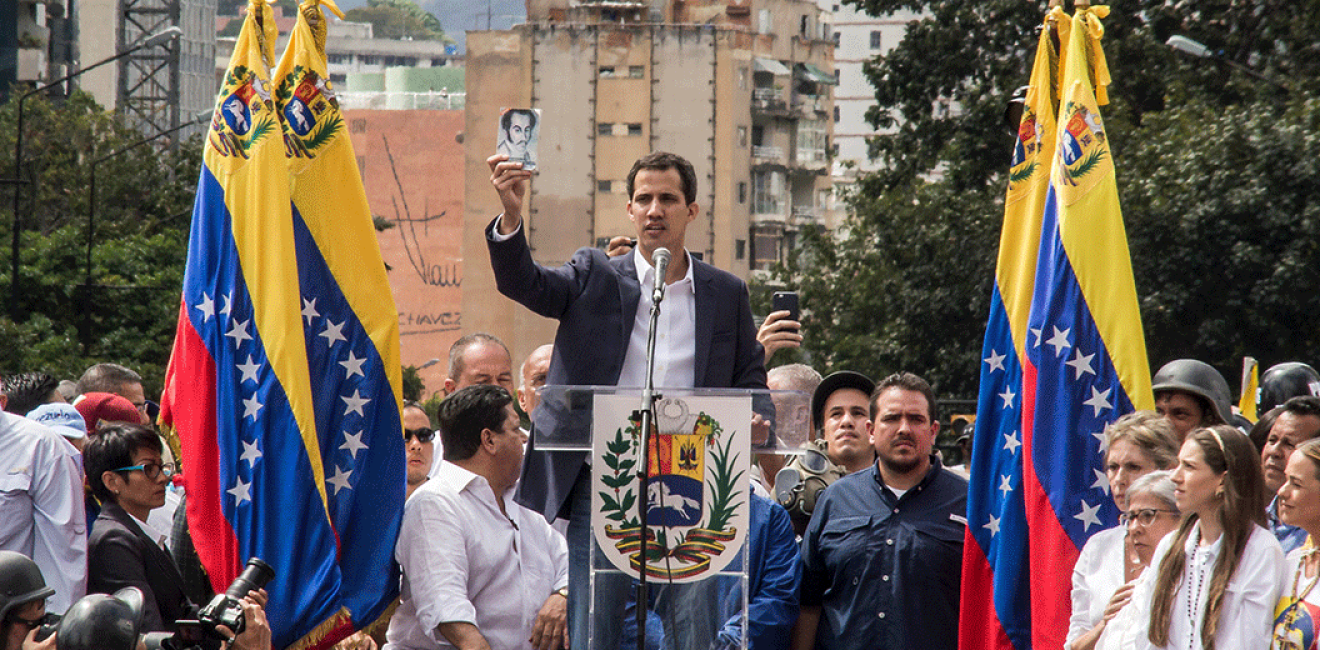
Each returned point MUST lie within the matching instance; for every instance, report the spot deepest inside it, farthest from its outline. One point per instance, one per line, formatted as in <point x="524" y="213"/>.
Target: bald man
<point x="534" y="370"/>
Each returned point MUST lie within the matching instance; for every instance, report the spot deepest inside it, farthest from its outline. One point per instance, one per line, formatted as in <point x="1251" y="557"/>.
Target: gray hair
<point x="460" y="347"/>
<point x="106" y="378"/>
<point x="1156" y="484"/>
<point x="796" y="376"/>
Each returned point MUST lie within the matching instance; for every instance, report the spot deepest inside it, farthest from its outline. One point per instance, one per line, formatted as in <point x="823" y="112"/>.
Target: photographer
<point x="23" y="594"/>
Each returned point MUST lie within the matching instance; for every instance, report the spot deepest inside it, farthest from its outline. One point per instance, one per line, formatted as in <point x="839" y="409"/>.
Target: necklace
<point x="1194" y="599"/>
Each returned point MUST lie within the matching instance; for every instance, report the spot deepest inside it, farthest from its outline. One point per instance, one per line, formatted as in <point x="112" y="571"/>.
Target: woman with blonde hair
<point x="1137" y="444"/>
<point x="1297" y="618"/>
<point x="1220" y="574"/>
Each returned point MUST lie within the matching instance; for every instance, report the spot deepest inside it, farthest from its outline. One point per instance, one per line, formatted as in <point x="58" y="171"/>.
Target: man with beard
<point x="882" y="555"/>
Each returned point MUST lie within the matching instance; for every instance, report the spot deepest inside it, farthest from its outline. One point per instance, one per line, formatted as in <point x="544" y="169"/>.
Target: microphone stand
<point x="649" y="398"/>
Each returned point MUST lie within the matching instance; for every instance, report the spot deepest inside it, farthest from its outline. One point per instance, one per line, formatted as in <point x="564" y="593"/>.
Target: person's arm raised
<point x="510" y="181"/>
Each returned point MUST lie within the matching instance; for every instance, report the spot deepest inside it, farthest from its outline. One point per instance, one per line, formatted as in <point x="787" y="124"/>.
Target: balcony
<point x="804" y="214"/>
<point x="774" y="155"/>
<point x="396" y="101"/>
<point x="767" y="99"/>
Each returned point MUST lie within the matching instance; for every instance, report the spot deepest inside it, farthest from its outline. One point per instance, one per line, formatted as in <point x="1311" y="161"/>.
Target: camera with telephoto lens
<point x="224" y="609"/>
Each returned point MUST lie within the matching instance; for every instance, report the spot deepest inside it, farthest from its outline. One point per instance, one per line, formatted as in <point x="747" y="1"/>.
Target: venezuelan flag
<point x="995" y="557"/>
<point x="249" y="402"/>
<point x="1085" y="363"/>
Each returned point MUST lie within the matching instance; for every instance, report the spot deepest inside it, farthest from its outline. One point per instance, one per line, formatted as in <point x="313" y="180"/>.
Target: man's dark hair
<point x="112" y="447"/>
<point x="466" y="413"/>
<point x="106" y="378"/>
<point x="506" y="120"/>
<point x="904" y="381"/>
<point x="28" y="390"/>
<point x="459" y="348"/>
<point x="660" y="161"/>
<point x="1300" y="405"/>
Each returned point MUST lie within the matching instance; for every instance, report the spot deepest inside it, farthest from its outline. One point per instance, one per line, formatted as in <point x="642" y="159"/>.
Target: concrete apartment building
<point x="858" y="38"/>
<point x="742" y="89"/>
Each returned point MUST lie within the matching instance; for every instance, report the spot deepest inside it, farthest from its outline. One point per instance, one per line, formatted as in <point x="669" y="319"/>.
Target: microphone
<point x="660" y="257"/>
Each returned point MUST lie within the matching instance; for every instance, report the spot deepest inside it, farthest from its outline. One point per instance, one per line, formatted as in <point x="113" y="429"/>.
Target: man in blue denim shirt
<point x="882" y="555"/>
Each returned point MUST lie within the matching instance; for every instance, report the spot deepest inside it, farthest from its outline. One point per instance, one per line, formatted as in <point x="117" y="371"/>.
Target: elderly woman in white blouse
<point x="1138" y="443"/>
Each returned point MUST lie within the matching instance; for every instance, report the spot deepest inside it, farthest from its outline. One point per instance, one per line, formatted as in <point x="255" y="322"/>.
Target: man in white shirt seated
<point x="479" y="570"/>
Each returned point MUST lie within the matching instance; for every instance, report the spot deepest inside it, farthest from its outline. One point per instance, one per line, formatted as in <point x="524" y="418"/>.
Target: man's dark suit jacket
<point x="595" y="298"/>
<point x="120" y="555"/>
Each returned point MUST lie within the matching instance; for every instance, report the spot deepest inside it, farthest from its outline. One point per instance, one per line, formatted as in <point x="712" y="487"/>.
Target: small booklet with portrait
<point x="520" y="129"/>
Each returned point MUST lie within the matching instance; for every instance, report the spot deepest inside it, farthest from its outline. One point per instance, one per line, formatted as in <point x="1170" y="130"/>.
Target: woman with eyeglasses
<point x="1297" y="617"/>
<point x="123" y="463"/>
<point x="1152" y="513"/>
<point x="1218" y="577"/>
<point x="1137" y="444"/>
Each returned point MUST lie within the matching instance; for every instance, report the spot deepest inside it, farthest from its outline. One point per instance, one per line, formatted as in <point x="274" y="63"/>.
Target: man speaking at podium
<point x="705" y="334"/>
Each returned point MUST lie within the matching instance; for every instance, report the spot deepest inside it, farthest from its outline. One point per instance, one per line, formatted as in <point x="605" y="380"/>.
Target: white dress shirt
<point x="1097" y="574"/>
<point x="41" y="506"/>
<point x="676" y="329"/>
<point x="1246" y="617"/>
<point x="465" y="561"/>
<point x="676" y="332"/>
<point x="1121" y="632"/>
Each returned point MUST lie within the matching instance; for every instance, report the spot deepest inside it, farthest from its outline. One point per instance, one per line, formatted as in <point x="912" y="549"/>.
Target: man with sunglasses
<point x="41" y="504"/>
<point x="23" y="594"/>
<point x="419" y="445"/>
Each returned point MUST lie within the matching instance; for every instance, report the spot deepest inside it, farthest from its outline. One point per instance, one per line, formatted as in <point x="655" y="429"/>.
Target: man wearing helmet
<point x="1191" y="394"/>
<point x="23" y="594"/>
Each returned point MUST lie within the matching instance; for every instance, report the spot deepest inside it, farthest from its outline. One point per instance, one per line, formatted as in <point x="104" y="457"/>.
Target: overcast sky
<point x="459" y="16"/>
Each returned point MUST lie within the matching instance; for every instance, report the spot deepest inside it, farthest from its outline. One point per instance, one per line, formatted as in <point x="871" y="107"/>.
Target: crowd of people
<point x="854" y="541"/>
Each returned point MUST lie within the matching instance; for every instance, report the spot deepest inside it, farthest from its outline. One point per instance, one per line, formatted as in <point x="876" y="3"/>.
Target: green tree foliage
<point x="143" y="207"/>
<point x="1216" y="170"/>
<point x="399" y="19"/>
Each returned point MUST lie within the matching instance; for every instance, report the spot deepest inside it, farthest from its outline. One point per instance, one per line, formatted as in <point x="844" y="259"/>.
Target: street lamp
<point x="163" y="36"/>
<point x="91" y="210"/>
<point x="1195" y="49"/>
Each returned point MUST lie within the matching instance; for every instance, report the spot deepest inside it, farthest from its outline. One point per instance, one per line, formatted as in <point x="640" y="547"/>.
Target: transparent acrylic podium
<point x="701" y="456"/>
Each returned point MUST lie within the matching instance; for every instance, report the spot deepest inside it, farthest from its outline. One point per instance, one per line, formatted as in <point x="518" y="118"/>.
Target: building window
<point x="607" y="72"/>
<point x="768" y="193"/>
<point x="742" y="77"/>
<point x="739" y="248"/>
<point x="875" y="40"/>
<point x="636" y="72"/>
<point x="837" y="37"/>
<point x="763" y="24"/>
<point x="603" y="187"/>
<point x="370" y="59"/>
<point x="742" y="137"/>
<point x="836" y="112"/>
<point x="804" y="26"/>
<point x="604" y="128"/>
<point x="811" y="141"/>
<point x="758" y="135"/>
<point x="765" y="250"/>
<point x="635" y="128"/>
<point x="742" y="192"/>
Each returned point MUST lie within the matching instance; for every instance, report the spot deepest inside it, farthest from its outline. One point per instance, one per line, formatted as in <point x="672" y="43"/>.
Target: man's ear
<point x="488" y="440"/>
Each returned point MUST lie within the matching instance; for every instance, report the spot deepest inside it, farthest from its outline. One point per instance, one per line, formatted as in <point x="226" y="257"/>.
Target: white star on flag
<point x="1059" y="341"/>
<point x="309" y="310"/>
<point x="241" y="491"/>
<point x="249" y="370"/>
<point x="1088" y="516"/>
<point x="1008" y="396"/>
<point x="1099" y="401"/>
<point x="353" y="443"/>
<point x="332" y="332"/>
<point x="993" y="526"/>
<point x="354" y="403"/>
<point x="353" y="365"/>
<point x="1011" y="442"/>
<point x="340" y="480"/>
<point x="227" y="305"/>
<point x="995" y="360"/>
<point x="1005" y="484"/>
<point x="1082" y="364"/>
<point x="1104" y="441"/>
<point x="206" y="306"/>
<point x="1038" y="334"/>
<point x="250" y="407"/>
<point x="238" y="332"/>
<point x="1101" y="481"/>
<point x="250" y="453"/>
